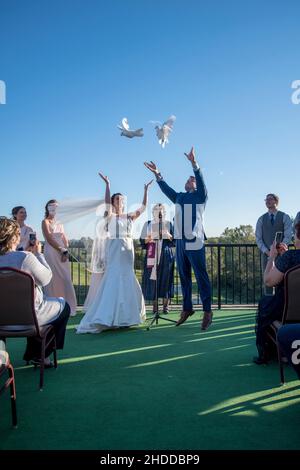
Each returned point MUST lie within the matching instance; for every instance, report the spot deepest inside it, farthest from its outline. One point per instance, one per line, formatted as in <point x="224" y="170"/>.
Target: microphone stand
<point x="156" y="315"/>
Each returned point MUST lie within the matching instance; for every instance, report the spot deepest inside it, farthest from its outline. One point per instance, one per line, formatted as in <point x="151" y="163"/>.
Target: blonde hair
<point x="9" y="231"/>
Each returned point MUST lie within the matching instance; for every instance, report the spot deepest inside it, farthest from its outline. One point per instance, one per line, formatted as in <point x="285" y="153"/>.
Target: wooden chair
<point x="6" y="367"/>
<point x="17" y="312"/>
<point x="291" y="311"/>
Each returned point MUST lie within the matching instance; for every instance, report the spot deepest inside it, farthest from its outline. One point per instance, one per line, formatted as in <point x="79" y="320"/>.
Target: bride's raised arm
<point x="108" y="208"/>
<point x="134" y="215"/>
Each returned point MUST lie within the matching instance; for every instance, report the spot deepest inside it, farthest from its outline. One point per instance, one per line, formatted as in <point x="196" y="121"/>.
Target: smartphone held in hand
<point x="32" y="238"/>
<point x="278" y="238"/>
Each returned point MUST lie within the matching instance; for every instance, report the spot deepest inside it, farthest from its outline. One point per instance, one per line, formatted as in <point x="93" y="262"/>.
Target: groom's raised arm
<point x="201" y="188"/>
<point x="166" y="189"/>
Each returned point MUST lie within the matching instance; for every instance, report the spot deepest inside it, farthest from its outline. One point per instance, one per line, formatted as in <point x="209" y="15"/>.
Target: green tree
<point x="241" y="234"/>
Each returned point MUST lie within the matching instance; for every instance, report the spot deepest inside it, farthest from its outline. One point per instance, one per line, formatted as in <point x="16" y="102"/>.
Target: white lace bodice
<point x="120" y="227"/>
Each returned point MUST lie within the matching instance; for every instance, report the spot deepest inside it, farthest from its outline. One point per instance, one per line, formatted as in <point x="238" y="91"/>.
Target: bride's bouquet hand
<point x="105" y="178"/>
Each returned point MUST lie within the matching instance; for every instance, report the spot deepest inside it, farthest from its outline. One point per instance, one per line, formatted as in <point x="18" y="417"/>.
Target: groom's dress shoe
<point x="185" y="314"/>
<point x="207" y="320"/>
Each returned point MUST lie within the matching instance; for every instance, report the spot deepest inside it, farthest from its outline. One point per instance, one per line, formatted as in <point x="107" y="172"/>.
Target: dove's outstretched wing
<point x="163" y="130"/>
<point x="125" y="124"/>
<point x="169" y="122"/>
<point x="158" y="123"/>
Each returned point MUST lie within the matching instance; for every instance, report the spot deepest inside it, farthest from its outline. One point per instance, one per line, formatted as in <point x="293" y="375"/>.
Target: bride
<point x="118" y="300"/>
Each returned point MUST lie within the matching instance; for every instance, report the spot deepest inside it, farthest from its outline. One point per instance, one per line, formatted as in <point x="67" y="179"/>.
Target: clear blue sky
<point x="74" y="68"/>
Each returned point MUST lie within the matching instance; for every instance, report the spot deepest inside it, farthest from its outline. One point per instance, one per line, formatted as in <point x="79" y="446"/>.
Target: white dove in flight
<point x="124" y="127"/>
<point x="163" y="130"/>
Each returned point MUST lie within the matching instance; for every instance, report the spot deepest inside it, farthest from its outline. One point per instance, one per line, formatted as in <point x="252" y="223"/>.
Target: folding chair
<point x="6" y="367"/>
<point x="17" y="312"/>
<point x="291" y="311"/>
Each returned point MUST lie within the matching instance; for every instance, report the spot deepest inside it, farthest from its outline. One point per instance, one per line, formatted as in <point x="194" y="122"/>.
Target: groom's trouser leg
<point x="185" y="275"/>
<point x="198" y="263"/>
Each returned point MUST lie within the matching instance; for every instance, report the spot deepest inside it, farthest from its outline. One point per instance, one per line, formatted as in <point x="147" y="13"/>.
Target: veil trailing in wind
<point x="90" y="213"/>
<point x="98" y="258"/>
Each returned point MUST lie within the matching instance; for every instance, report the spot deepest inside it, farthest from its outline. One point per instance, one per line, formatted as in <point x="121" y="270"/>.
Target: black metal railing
<point x="235" y="272"/>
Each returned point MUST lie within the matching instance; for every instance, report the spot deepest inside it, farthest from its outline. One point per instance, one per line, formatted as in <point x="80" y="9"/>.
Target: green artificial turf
<point x="167" y="388"/>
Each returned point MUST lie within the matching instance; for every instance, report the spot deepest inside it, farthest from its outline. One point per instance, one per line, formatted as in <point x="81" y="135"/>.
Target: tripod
<point x="156" y="315"/>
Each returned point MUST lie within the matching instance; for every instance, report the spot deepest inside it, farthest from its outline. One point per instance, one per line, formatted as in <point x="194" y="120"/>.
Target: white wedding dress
<point x="118" y="301"/>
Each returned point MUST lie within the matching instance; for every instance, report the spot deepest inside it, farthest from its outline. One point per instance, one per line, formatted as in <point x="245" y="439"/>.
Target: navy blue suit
<point x="189" y="235"/>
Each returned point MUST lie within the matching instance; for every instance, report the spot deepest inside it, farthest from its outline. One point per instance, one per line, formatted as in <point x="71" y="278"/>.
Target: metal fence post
<point x="219" y="277"/>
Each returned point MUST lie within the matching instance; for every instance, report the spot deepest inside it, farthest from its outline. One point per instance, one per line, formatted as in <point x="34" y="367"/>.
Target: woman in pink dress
<point x="19" y="214"/>
<point x="56" y="254"/>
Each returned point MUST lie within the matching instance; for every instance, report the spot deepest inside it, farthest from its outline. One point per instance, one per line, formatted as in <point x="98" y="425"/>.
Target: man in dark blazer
<point x="189" y="235"/>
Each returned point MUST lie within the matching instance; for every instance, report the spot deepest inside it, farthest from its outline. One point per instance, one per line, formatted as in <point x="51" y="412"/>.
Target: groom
<point x="189" y="234"/>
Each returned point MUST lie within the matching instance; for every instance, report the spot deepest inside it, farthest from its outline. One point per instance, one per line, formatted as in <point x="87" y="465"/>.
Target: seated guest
<point x="288" y="338"/>
<point x="49" y="311"/>
<point x="165" y="259"/>
<point x="270" y="308"/>
<point x="19" y="214"/>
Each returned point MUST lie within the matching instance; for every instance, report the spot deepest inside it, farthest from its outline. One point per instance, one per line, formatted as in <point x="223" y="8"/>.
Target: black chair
<point x="291" y="311"/>
<point x="17" y="313"/>
<point x="6" y="367"/>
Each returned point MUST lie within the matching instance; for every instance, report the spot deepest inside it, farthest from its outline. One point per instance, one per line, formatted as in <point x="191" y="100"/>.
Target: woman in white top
<point x="20" y="215"/>
<point x="49" y="311"/>
<point x="118" y="301"/>
<point x="56" y="254"/>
